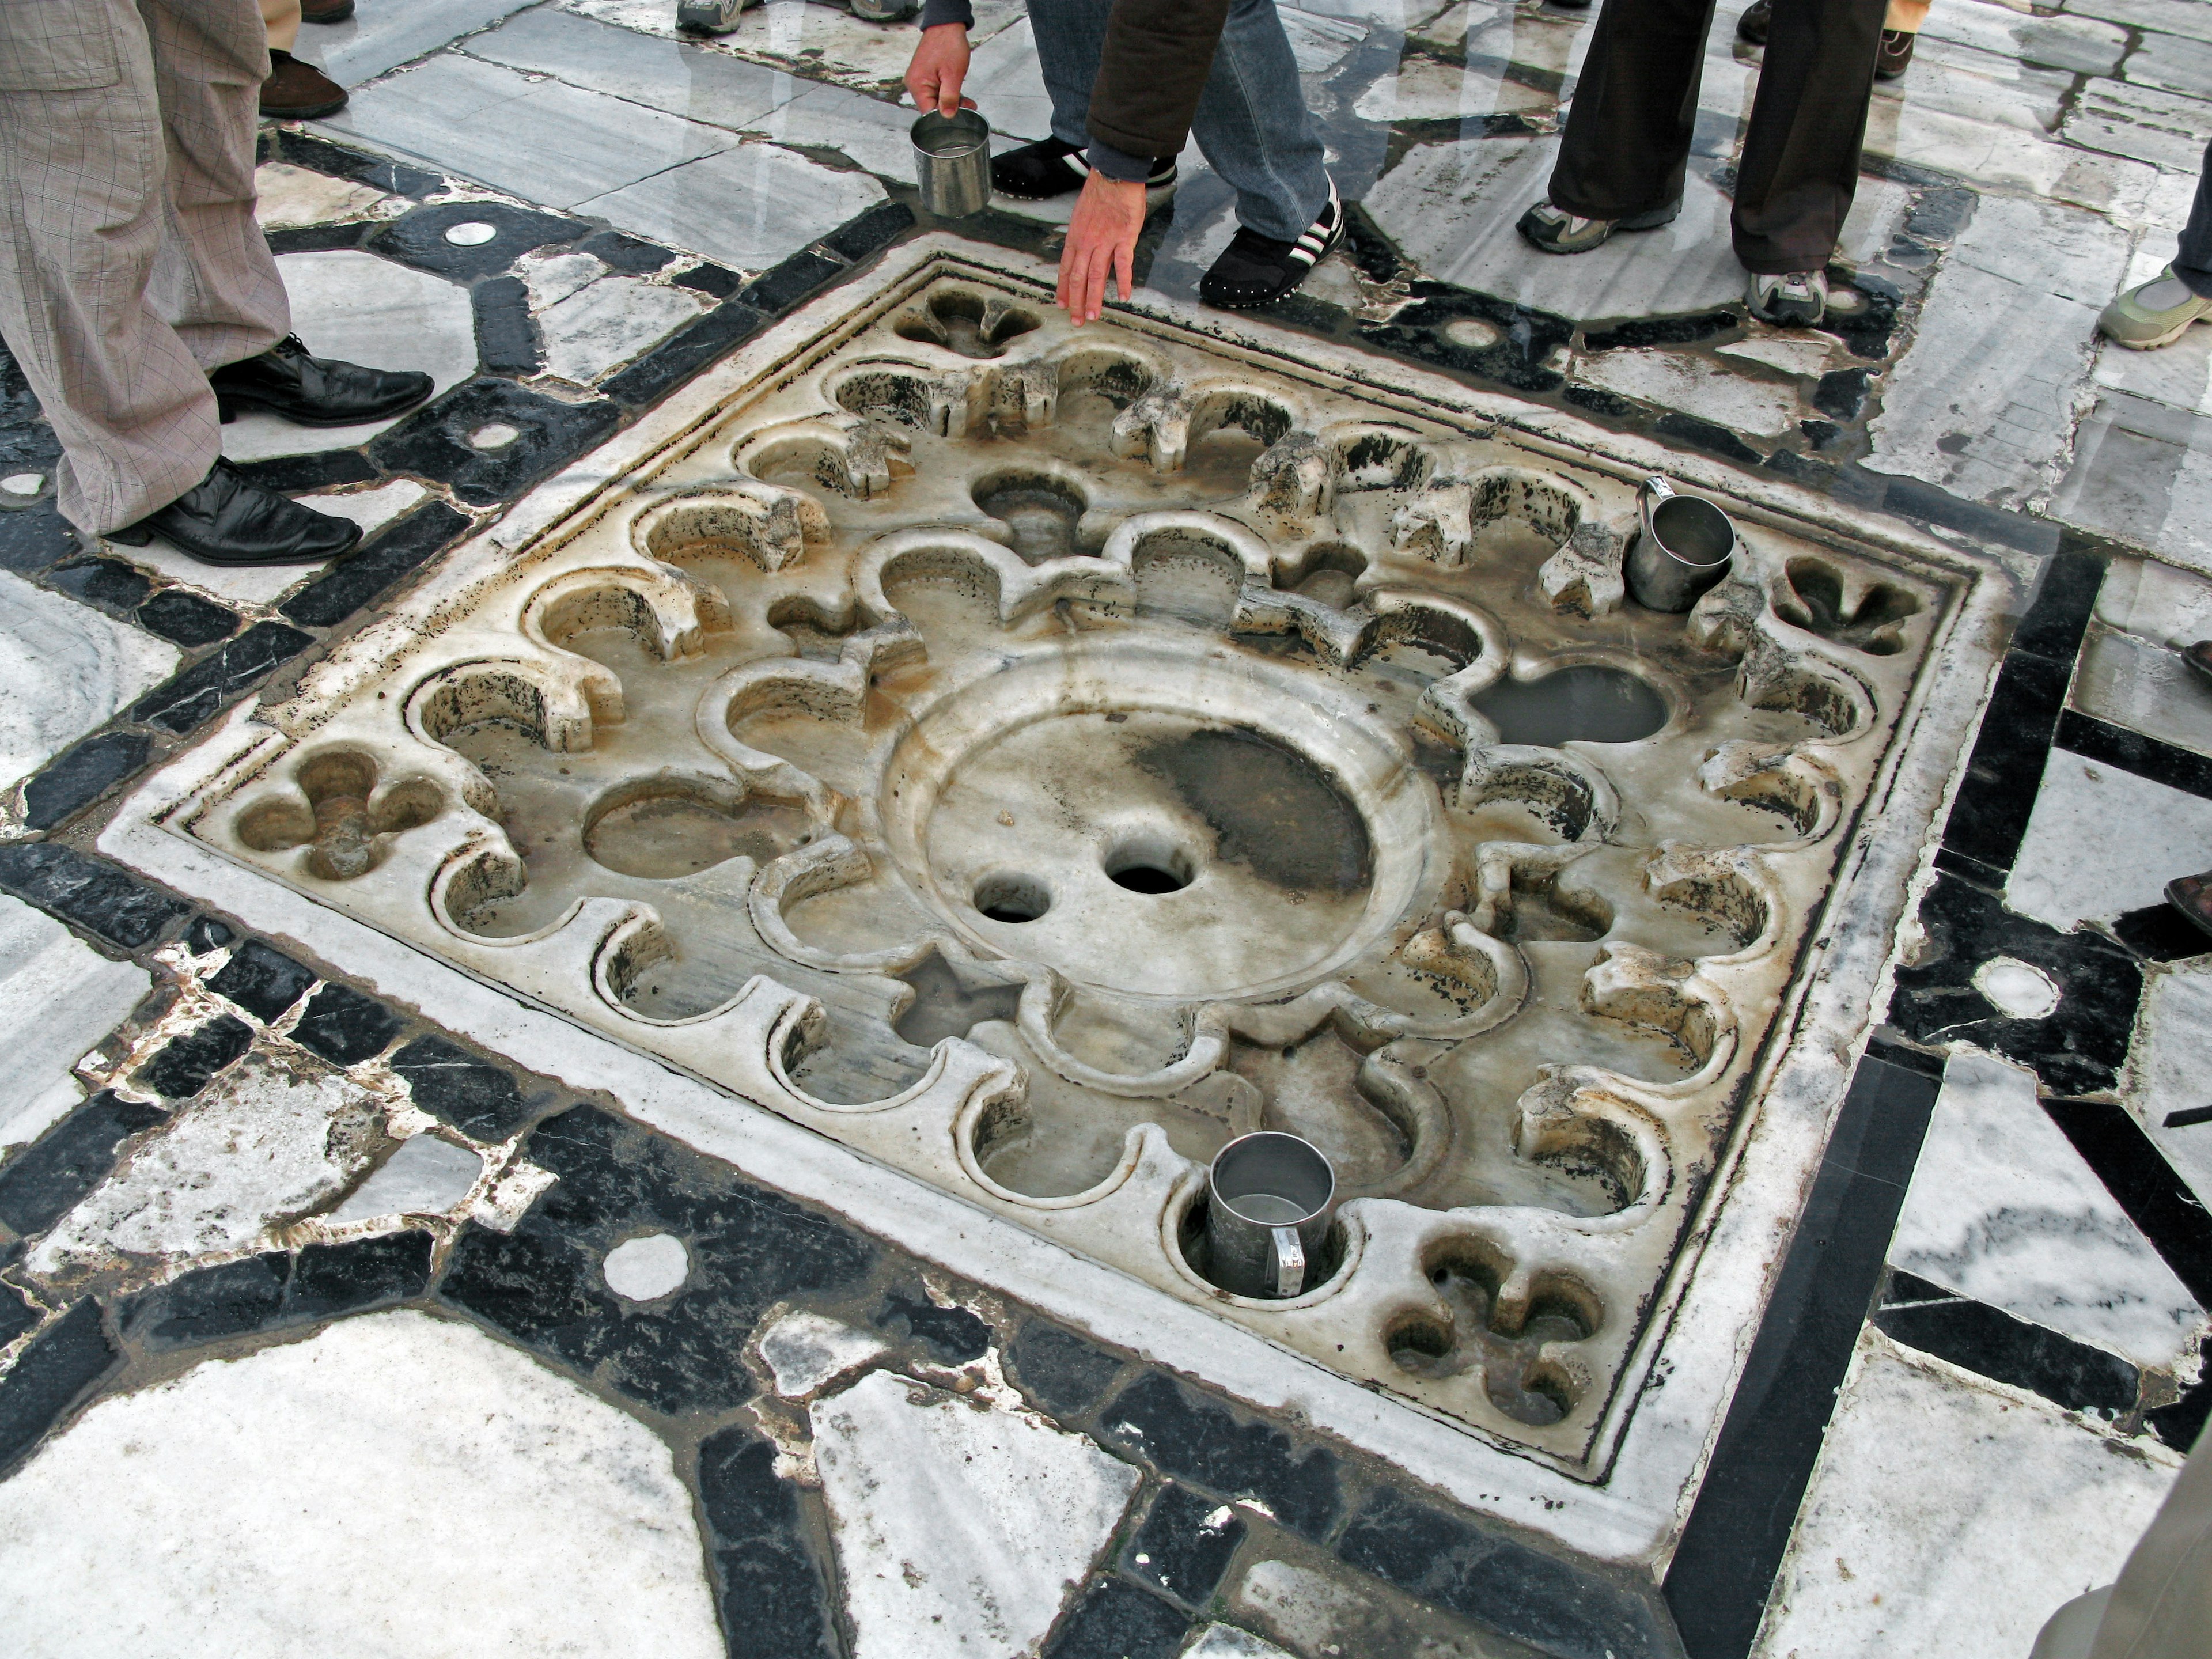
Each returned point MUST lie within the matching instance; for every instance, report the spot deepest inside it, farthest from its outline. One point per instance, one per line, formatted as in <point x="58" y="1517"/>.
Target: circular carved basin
<point x="1157" y="823"/>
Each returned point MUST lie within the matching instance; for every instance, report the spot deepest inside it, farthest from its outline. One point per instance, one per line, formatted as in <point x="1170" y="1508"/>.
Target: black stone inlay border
<point x="202" y="691"/>
<point x="276" y="1289"/>
<point x="2078" y="1049"/>
<point x="1116" y="1621"/>
<point x="2134" y="752"/>
<point x="61" y="1363"/>
<point x="90" y="893"/>
<point x="80" y="775"/>
<point x="48" y="1178"/>
<point x="399" y="549"/>
<point x="773" y="1598"/>
<point x="1724" y="1567"/>
<point x="1992" y="1343"/>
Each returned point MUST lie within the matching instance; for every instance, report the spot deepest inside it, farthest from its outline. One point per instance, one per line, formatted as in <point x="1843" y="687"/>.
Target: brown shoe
<point x="1892" y="57"/>
<point x="2199" y="658"/>
<point x="325" y="11"/>
<point x="298" y="92"/>
<point x="2192" y="897"/>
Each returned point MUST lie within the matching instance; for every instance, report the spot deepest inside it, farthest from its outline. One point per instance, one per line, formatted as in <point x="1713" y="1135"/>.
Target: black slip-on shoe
<point x="1038" y="172"/>
<point x="310" y="391"/>
<point x="1254" y="271"/>
<point x="1751" y="27"/>
<point x="227" y="519"/>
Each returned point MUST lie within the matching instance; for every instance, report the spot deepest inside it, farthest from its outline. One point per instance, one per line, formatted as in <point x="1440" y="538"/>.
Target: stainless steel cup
<point x="952" y="163"/>
<point x="1267" y="1213"/>
<point x="1682" y="549"/>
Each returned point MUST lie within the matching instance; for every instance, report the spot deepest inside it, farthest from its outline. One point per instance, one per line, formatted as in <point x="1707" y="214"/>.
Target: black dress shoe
<point x="227" y="519"/>
<point x="314" y="390"/>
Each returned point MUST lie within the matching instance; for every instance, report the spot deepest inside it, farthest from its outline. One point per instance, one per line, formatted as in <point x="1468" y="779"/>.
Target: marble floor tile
<point x="57" y="998"/>
<point x="827" y="40"/>
<point x="2171" y="16"/>
<point x="1983" y="402"/>
<point x="1007" y="86"/>
<point x="1451" y="209"/>
<point x="394" y="1484"/>
<point x="606" y="323"/>
<point x="2166" y="1087"/>
<point x="1227" y="1642"/>
<point x="2177" y="375"/>
<point x="380" y="37"/>
<point x="2008" y="158"/>
<point x="867" y="131"/>
<point x="1402" y="16"/>
<point x="1959" y="80"/>
<point x="748" y="206"/>
<point x="2088" y="45"/>
<point x="2002" y="1209"/>
<point x="425" y="1175"/>
<point x="700" y="85"/>
<point x="1314" y="1614"/>
<point x="2163" y="127"/>
<point x="2056" y="879"/>
<point x="2155" y="602"/>
<point x="805" y="1352"/>
<point x="1946" y="1518"/>
<point x="1319" y="43"/>
<point x="2174" y="62"/>
<point x="363" y="309"/>
<point x="1806" y="354"/>
<point x="64" y="669"/>
<point x="1432" y="89"/>
<point x="1697" y="385"/>
<point x="2145" y="688"/>
<point x="290" y="195"/>
<point x="961" y="1529"/>
<point x="2131" y="465"/>
<point x="263" y="1143"/>
<point x="541" y="140"/>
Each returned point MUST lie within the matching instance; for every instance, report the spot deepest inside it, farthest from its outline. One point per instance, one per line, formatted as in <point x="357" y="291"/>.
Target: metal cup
<point x="952" y="163"/>
<point x="1682" y="549"/>
<point x="1267" y="1213"/>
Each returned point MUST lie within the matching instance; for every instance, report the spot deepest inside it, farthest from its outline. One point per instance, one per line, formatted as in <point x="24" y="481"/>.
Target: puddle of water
<point x="1584" y="702"/>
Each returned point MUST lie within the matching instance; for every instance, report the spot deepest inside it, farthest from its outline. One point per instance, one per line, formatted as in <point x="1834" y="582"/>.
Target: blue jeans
<point x="2193" y="262"/>
<point x="1251" y="125"/>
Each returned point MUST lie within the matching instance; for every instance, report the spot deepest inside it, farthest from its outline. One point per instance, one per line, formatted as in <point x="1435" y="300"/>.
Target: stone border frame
<point x="1653" y="1450"/>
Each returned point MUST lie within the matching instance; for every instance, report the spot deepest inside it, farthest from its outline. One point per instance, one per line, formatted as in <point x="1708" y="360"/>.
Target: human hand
<point x="939" y="67"/>
<point x="1102" y="241"/>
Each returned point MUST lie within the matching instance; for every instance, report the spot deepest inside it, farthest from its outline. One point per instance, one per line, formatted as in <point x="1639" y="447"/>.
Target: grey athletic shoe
<point x="1797" y="299"/>
<point x="1555" y="230"/>
<point x="710" y="17"/>
<point x="885" y="11"/>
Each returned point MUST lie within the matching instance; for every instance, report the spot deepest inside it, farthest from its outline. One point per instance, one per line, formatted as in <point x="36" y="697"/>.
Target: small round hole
<point x="1148" y="864"/>
<point x="493" y="435"/>
<point x="471" y="233"/>
<point x="1011" y="898"/>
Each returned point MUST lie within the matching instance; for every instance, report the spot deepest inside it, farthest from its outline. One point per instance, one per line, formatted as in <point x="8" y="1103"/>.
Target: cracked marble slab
<point x="64" y="669"/>
<point x="362" y="309"/>
<point x="1950" y="1516"/>
<point x="2169" y="834"/>
<point x="805" y="1352"/>
<point x="58" y="997"/>
<point x="2002" y="1209"/>
<point x="266" y="1142"/>
<point x="397" y="1484"/>
<point x="961" y="1527"/>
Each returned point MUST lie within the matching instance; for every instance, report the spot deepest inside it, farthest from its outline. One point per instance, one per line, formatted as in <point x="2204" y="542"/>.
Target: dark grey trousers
<point x="1635" y="111"/>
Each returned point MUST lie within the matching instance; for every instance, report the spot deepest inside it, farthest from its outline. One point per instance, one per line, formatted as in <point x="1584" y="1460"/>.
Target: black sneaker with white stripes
<point x="1048" y="168"/>
<point x="1254" y="271"/>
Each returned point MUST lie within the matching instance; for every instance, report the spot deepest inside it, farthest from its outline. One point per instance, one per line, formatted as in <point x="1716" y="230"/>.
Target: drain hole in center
<point x="1011" y="898"/>
<point x="1150" y="865"/>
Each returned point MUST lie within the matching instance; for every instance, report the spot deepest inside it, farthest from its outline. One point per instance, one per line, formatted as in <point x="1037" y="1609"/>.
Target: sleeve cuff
<point x="1118" y="165"/>
<point x="934" y="12"/>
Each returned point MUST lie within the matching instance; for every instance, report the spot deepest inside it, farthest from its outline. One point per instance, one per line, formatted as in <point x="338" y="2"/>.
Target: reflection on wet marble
<point x="2169" y="834"/>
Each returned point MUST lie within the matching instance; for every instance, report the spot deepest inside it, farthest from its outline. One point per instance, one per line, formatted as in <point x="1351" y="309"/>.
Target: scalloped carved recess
<point x="1034" y="756"/>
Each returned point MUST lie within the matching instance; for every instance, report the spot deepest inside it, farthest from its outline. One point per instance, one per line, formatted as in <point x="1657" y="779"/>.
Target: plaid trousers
<point x="130" y="262"/>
